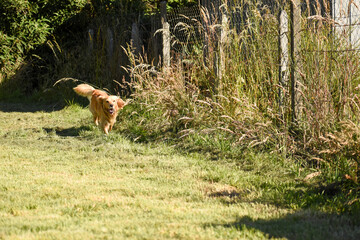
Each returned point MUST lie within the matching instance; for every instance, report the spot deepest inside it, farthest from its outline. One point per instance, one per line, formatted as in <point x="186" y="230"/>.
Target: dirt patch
<point x="222" y="191"/>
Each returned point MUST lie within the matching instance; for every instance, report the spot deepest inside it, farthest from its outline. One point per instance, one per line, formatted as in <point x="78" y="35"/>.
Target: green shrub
<point x="25" y="25"/>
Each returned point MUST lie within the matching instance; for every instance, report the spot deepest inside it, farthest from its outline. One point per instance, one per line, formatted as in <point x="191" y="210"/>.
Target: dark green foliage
<point x="24" y="25"/>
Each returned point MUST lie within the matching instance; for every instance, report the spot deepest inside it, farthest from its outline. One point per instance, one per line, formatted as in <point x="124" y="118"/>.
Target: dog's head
<point x="112" y="104"/>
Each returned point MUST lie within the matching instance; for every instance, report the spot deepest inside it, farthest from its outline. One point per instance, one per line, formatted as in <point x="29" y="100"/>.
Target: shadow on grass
<point x="68" y="132"/>
<point x="299" y="225"/>
<point x="29" y="107"/>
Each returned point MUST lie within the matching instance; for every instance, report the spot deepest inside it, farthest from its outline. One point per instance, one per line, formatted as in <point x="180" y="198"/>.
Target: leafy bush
<point x="24" y="25"/>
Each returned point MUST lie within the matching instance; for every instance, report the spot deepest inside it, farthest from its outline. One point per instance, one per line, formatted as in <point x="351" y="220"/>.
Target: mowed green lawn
<point x="61" y="178"/>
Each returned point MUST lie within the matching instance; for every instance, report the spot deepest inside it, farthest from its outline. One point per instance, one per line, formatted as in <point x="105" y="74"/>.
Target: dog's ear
<point x="120" y="103"/>
<point x="101" y="98"/>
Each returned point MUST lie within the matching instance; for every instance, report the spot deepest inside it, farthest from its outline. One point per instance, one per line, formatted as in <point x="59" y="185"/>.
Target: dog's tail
<point x="84" y="90"/>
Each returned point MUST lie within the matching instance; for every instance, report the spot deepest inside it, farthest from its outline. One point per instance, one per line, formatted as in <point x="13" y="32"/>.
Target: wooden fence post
<point x="283" y="58"/>
<point x="296" y="99"/>
<point x="204" y="21"/>
<point x="135" y="39"/>
<point x="223" y="41"/>
<point x="155" y="46"/>
<point x="90" y="40"/>
<point x="165" y="35"/>
<point x="109" y="43"/>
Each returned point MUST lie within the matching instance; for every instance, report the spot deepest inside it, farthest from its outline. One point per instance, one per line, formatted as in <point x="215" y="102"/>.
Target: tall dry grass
<point x="330" y="74"/>
<point x="240" y="108"/>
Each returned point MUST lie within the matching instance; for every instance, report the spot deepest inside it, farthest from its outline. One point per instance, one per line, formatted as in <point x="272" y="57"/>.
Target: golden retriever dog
<point x="103" y="107"/>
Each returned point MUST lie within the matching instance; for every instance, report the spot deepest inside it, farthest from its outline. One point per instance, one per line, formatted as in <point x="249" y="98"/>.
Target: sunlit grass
<point x="188" y="159"/>
<point x="62" y="178"/>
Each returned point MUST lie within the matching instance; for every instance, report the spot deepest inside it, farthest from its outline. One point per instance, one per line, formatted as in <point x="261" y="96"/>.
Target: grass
<point x="63" y="179"/>
<point x="194" y="156"/>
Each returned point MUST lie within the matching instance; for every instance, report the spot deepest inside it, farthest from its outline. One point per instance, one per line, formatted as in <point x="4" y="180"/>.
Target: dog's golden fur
<point x="103" y="107"/>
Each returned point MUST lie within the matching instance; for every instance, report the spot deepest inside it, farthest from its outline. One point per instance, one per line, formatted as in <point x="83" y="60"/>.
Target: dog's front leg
<point x="106" y="128"/>
<point x="96" y="120"/>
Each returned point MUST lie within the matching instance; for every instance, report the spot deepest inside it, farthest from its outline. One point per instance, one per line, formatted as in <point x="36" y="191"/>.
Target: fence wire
<point x="326" y="55"/>
<point x="346" y="15"/>
<point x="186" y="24"/>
